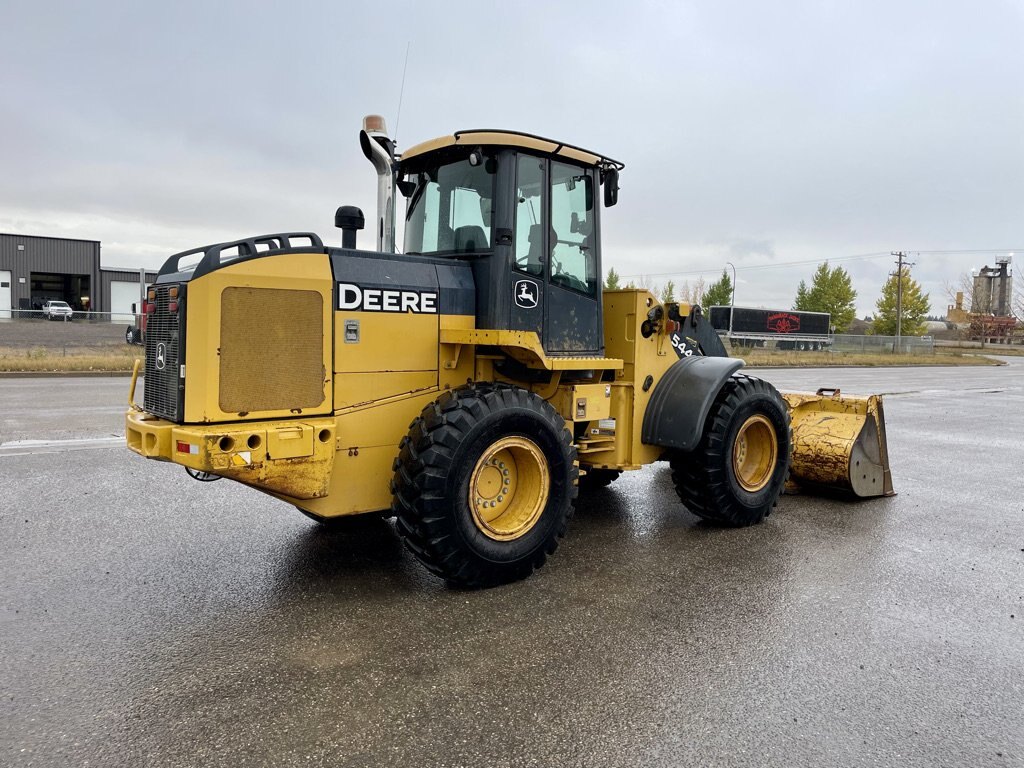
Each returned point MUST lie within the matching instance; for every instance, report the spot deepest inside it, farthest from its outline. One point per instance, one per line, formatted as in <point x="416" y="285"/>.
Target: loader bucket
<point x="839" y="443"/>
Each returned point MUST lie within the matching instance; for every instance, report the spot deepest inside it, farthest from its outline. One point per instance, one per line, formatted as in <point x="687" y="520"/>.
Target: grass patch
<point x="116" y="358"/>
<point x="122" y="357"/>
<point x="788" y="359"/>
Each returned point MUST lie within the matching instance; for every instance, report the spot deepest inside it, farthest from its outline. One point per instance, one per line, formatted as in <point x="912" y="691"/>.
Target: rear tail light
<point x="172" y="306"/>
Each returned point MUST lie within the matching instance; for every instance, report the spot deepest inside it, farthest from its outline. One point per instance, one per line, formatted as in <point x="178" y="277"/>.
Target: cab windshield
<point x="450" y="209"/>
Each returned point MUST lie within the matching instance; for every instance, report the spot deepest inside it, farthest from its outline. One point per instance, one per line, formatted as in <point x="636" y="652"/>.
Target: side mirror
<point x="611" y="187"/>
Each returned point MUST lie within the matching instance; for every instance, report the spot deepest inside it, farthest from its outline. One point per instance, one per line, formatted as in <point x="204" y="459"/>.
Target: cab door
<point x="529" y="265"/>
<point x="572" y="323"/>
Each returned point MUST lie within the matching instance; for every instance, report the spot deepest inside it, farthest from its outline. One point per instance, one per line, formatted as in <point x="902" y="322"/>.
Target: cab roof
<point x="493" y="137"/>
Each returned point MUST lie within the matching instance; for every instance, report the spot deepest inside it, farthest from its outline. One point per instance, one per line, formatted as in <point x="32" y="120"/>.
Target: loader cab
<point x="524" y="212"/>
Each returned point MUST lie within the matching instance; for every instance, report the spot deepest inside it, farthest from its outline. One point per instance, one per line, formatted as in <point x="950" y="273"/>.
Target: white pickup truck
<point x="57" y="310"/>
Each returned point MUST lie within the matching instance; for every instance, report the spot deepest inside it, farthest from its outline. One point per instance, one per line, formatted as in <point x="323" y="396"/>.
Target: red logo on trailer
<point x="783" y="322"/>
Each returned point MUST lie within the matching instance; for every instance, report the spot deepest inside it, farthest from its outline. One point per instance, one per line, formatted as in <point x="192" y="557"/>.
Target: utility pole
<point x="900" y="256"/>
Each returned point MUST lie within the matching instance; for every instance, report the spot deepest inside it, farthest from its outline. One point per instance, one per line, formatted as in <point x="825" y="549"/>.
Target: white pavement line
<point x="29" y="447"/>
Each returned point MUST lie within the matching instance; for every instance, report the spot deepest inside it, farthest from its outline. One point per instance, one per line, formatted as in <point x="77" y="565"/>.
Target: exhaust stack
<point x="380" y="150"/>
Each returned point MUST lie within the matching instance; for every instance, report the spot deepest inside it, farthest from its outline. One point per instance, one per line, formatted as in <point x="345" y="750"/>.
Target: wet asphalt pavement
<point x="146" y="619"/>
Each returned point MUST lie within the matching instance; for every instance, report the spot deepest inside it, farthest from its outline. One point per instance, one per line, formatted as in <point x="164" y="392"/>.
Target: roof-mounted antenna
<point x="401" y="92"/>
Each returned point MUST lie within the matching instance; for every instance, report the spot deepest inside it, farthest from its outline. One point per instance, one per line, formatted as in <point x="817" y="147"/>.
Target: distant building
<point x="36" y="269"/>
<point x="993" y="290"/>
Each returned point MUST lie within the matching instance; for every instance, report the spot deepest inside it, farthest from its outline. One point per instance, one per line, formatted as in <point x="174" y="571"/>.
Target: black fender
<point x="681" y="400"/>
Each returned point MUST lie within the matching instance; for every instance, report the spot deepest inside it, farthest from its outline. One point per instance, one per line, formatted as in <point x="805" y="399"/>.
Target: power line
<point x="803" y="262"/>
<point x="972" y="250"/>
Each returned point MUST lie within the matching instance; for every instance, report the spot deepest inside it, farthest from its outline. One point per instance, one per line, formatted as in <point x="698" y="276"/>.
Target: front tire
<point x="736" y="474"/>
<point x="484" y="484"/>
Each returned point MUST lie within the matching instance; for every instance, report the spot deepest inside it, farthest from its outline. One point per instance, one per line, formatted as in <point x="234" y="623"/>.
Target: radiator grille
<point x="271" y="350"/>
<point x="163" y="393"/>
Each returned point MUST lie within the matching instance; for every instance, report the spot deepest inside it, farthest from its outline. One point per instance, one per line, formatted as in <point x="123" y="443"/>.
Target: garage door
<point x="5" y="294"/>
<point x="122" y="295"/>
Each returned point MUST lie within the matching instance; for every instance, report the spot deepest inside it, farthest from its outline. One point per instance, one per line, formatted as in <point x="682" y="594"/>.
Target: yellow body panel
<point x="293" y="458"/>
<point x="299" y="272"/>
<point x="583" y="402"/>
<point x="624" y="313"/>
<point x="525" y="347"/>
<point x="367" y="444"/>
<point x="359" y="389"/>
<point x="387" y="342"/>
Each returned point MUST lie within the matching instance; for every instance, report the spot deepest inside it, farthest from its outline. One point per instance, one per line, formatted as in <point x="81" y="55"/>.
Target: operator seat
<point x="470" y="239"/>
<point x="535" y="255"/>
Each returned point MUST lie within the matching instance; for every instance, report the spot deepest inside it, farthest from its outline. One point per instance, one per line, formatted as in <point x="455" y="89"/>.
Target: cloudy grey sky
<point x="758" y="133"/>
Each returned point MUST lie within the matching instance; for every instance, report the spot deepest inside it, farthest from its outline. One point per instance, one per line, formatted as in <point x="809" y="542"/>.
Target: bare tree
<point x="964" y="283"/>
<point x="692" y="293"/>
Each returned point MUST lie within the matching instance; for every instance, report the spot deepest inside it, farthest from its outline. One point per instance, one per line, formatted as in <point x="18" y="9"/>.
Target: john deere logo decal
<point x="526" y="293"/>
<point x="161" y="356"/>
<point x="363" y="299"/>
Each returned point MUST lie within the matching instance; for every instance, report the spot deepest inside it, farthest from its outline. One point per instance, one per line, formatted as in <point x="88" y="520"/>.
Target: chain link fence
<point x="30" y="329"/>
<point x="79" y="316"/>
<point x="881" y="345"/>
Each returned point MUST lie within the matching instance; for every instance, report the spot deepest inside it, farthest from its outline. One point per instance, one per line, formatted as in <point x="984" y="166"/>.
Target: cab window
<point x="529" y="249"/>
<point x="450" y="209"/>
<point x="573" y="260"/>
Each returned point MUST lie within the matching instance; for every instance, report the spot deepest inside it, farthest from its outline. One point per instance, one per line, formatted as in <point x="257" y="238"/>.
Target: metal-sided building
<point x="35" y="269"/>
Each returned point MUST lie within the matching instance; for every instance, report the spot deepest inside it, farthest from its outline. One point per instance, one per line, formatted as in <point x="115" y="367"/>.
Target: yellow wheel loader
<point x="472" y="384"/>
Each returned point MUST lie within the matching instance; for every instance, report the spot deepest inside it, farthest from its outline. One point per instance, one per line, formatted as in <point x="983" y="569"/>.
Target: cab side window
<point x="529" y="249"/>
<point x="573" y="261"/>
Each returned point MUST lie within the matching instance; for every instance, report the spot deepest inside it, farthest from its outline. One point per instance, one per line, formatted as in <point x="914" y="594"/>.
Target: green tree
<point x="831" y="291"/>
<point x="915" y="306"/>
<point x="668" y="293"/>
<point x="611" y="282"/>
<point x="719" y="293"/>
<point x="801" y="296"/>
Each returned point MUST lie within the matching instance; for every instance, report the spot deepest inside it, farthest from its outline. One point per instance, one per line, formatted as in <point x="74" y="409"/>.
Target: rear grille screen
<point x="271" y="350"/>
<point x="162" y="395"/>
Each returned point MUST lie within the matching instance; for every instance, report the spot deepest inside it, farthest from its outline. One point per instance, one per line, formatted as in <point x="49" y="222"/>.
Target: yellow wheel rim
<point x="755" y="453"/>
<point x="509" y="488"/>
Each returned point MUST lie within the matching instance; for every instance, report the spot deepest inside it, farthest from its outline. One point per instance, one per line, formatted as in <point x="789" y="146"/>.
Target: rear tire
<point x="484" y="484"/>
<point x="736" y="474"/>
